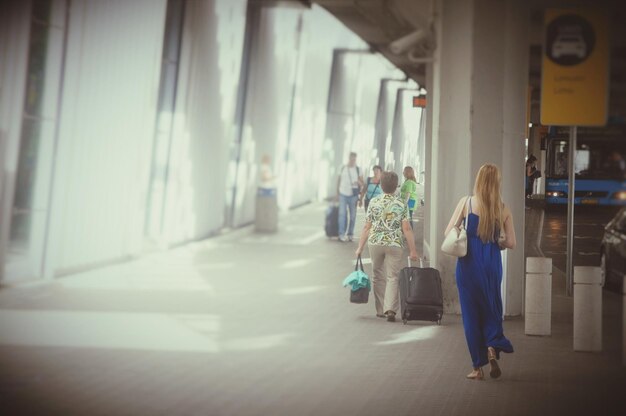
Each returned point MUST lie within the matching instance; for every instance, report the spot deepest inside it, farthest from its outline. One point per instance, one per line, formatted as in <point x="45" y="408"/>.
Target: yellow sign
<point x="575" y="69"/>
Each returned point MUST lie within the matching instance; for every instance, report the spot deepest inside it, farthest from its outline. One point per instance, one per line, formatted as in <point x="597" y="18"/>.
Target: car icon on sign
<point x="569" y="45"/>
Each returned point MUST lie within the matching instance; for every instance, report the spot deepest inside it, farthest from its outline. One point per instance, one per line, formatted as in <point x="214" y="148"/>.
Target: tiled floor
<point x="247" y="324"/>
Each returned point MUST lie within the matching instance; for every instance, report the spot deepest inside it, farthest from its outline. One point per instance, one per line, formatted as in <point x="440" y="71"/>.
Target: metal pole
<point x="570" y="212"/>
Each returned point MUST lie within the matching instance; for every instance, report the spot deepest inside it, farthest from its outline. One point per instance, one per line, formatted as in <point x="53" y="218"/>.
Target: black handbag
<point x="360" y="295"/>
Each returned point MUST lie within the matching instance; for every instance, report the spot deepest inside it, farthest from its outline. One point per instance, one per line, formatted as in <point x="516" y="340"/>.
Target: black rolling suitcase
<point x="421" y="297"/>
<point x="332" y="221"/>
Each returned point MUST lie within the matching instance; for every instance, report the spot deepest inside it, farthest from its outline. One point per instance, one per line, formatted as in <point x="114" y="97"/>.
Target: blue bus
<point x="599" y="166"/>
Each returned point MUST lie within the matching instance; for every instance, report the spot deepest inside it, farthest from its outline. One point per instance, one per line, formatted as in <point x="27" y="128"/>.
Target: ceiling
<point x="381" y="22"/>
<point x="384" y="23"/>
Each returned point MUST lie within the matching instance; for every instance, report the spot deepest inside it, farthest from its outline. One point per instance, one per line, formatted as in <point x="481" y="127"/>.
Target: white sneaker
<point x="343" y="239"/>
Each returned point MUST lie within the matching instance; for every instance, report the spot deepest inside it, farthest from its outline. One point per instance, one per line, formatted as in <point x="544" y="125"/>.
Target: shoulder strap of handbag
<point x="457" y="223"/>
<point x="359" y="262"/>
<point x="350" y="175"/>
<point x="369" y="196"/>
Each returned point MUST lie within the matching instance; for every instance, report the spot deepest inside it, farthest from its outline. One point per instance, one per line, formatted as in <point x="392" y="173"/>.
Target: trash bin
<point x="587" y="309"/>
<point x="538" y="302"/>
<point x="266" y="211"/>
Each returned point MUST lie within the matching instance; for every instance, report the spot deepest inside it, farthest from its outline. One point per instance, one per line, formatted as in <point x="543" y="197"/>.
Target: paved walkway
<point x="247" y="324"/>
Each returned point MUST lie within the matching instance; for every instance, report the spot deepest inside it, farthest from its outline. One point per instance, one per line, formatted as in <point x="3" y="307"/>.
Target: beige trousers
<point x="386" y="263"/>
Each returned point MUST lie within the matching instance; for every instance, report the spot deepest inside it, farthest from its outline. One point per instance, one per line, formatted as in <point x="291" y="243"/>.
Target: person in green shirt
<point x="408" y="191"/>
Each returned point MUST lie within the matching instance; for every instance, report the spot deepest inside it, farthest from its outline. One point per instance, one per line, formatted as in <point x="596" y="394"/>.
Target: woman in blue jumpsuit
<point x="479" y="273"/>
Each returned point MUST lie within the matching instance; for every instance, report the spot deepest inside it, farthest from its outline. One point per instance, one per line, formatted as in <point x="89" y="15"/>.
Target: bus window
<point x="594" y="159"/>
<point x="558" y="159"/>
<point x="615" y="165"/>
<point x="581" y="163"/>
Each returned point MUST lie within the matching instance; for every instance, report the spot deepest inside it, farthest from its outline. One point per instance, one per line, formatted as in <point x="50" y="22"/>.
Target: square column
<point x="478" y="90"/>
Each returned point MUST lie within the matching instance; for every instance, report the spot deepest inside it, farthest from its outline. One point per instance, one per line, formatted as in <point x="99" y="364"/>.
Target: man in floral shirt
<point x="386" y="222"/>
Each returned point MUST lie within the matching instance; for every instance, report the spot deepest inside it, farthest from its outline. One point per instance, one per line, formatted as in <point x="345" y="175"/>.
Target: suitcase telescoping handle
<point x="421" y="262"/>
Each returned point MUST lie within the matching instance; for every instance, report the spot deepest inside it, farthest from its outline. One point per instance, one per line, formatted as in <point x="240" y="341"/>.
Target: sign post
<point x="574" y="87"/>
<point x="571" y="191"/>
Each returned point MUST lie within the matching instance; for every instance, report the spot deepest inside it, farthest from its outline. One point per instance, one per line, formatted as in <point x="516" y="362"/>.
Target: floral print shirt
<point x="386" y="213"/>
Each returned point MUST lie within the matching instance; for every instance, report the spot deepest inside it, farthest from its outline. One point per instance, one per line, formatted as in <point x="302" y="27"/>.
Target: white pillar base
<point x="587" y="309"/>
<point x="538" y="305"/>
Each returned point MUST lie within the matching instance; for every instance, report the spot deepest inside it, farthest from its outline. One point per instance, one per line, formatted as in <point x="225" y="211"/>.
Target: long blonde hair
<point x="487" y="191"/>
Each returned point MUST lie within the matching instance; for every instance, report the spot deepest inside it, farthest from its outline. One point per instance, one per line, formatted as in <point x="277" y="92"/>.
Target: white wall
<point x="204" y="119"/>
<point x="275" y="51"/>
<point x="106" y="132"/>
<point x="308" y="170"/>
<point x="291" y="61"/>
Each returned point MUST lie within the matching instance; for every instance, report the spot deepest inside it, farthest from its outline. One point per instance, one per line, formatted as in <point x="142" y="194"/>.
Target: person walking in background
<point x="531" y="174"/>
<point x="386" y="220"/>
<point x="408" y="191"/>
<point x="267" y="180"/>
<point x="479" y="272"/>
<point x="372" y="187"/>
<point x="349" y="185"/>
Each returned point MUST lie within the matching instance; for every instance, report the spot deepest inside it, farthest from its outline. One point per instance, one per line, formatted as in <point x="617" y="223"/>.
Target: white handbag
<point x="455" y="242"/>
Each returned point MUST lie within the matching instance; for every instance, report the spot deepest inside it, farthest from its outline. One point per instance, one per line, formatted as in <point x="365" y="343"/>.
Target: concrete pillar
<point x="538" y="310"/>
<point x="398" y="134"/>
<point x="513" y="134"/>
<point x="340" y="113"/>
<point x="624" y="321"/>
<point x="384" y="118"/>
<point x="431" y="111"/>
<point x="478" y="105"/>
<point x="587" y="309"/>
<point x="421" y="146"/>
<point x="450" y="168"/>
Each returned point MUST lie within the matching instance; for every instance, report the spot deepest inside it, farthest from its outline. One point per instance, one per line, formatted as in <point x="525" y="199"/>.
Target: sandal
<point x="477" y="374"/>
<point x="493" y="362"/>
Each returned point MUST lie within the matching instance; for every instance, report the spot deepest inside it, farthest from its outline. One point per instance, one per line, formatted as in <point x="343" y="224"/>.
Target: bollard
<point x="587" y="308"/>
<point x="624" y="320"/>
<point x="538" y="304"/>
<point x="266" y="212"/>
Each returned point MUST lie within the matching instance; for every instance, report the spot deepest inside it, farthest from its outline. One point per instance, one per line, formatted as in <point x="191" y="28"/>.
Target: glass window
<point x="166" y="107"/>
<point x="581" y="162"/>
<point x="36" y="146"/>
<point x="26" y="172"/>
<point x="559" y="158"/>
<point x="41" y="10"/>
<point x="36" y="69"/>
